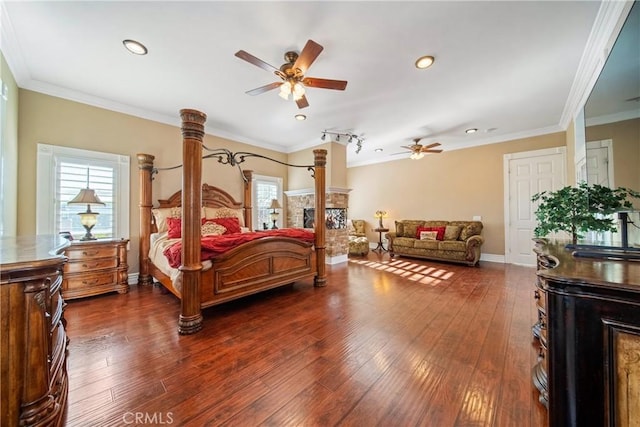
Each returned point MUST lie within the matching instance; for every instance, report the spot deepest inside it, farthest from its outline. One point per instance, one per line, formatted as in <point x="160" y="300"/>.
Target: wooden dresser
<point x="33" y="341"/>
<point x="95" y="267"/>
<point x="590" y="338"/>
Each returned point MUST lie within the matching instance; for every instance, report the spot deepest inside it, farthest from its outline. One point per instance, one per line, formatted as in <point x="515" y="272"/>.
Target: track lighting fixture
<point x="352" y="138"/>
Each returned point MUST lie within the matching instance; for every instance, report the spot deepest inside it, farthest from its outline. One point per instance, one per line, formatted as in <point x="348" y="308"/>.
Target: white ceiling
<point x="504" y="67"/>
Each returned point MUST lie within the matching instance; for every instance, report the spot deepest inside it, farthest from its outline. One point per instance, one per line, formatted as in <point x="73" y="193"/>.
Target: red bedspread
<point x="216" y="245"/>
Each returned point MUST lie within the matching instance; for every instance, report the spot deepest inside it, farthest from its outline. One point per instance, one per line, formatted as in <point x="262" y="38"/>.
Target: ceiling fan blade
<point x="430" y="151"/>
<point x="263" y="89"/>
<point x="309" y="54"/>
<point x="302" y="102"/>
<point x="256" y="61"/>
<point x="324" y="83"/>
<point x="435" y="144"/>
<point x="410" y="147"/>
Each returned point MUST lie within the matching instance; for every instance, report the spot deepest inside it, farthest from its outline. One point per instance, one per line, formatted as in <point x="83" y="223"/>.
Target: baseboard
<point x="492" y="258"/>
<point x="133" y="278"/>
<point x="336" y="259"/>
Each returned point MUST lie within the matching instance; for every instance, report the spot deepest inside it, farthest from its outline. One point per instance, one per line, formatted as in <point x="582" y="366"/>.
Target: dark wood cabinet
<point x="33" y="341"/>
<point x="589" y="365"/>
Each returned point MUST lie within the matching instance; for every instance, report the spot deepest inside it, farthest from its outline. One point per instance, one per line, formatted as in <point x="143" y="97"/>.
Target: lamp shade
<point x="275" y="204"/>
<point x="86" y="196"/>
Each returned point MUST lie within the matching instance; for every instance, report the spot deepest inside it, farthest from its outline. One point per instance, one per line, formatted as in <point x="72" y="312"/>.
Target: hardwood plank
<point x="387" y="342"/>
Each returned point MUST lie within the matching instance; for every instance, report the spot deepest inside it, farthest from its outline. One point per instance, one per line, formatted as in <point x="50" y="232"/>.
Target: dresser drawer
<point x="83" y="281"/>
<point x="91" y="252"/>
<point x="90" y="264"/>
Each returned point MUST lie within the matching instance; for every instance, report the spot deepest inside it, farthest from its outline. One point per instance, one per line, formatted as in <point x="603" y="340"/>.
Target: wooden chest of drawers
<point x="33" y="342"/>
<point x="95" y="267"/>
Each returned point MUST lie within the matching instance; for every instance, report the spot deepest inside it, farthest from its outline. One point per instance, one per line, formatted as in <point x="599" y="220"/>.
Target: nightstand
<point x="95" y="267"/>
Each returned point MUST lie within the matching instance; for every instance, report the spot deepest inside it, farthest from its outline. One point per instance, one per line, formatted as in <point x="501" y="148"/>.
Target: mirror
<point x="612" y="113"/>
<point x="612" y="127"/>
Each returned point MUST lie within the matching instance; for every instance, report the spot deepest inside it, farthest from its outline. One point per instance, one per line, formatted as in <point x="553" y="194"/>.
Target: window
<point x="63" y="172"/>
<point x="265" y="189"/>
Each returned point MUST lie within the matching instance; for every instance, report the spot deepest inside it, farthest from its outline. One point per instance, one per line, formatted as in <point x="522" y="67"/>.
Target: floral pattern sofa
<point x="454" y="241"/>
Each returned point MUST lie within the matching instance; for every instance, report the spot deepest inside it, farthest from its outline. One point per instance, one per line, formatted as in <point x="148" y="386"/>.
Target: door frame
<point x="507" y="187"/>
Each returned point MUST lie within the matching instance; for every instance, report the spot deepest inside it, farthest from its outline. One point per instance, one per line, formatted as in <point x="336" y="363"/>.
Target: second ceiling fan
<point x="418" y="150"/>
<point x="292" y="74"/>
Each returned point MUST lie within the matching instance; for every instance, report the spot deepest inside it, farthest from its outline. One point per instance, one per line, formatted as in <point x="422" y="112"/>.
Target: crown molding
<point x="605" y="30"/>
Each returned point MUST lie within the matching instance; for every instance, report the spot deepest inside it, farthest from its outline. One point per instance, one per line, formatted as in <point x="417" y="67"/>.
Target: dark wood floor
<point x="388" y="342"/>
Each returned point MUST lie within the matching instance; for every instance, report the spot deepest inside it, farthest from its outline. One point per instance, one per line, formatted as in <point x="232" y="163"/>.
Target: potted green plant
<point x="580" y="209"/>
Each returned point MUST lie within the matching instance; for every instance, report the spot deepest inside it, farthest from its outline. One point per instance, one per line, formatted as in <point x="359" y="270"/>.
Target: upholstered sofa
<point x="454" y="241"/>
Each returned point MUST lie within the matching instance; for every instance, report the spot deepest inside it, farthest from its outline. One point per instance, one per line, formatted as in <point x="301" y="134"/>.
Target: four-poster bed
<point x="263" y="261"/>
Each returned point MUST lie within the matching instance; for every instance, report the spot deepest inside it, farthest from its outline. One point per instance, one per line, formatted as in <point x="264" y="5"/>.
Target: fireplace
<point x="335" y="218"/>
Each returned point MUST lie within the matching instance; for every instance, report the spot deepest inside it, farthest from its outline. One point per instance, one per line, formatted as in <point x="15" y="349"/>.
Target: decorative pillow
<point x="452" y="232"/>
<point x="160" y="216"/>
<point x="411" y="228"/>
<point x="439" y="232"/>
<point x="399" y="229"/>
<point x="210" y="228"/>
<point x="428" y="235"/>
<point x="231" y="224"/>
<point x="211" y="213"/>
<point x="174" y="226"/>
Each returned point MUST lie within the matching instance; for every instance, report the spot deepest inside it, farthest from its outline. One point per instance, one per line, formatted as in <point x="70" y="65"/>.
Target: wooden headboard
<point x="212" y="197"/>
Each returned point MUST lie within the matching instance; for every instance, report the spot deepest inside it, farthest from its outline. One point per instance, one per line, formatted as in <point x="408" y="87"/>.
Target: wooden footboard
<point x="256" y="266"/>
<point x="250" y="268"/>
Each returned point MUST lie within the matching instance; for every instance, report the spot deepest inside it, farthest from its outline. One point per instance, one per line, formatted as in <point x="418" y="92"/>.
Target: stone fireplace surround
<point x="337" y="238"/>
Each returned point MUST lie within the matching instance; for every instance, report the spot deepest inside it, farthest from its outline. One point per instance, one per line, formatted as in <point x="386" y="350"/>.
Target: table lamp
<point x="89" y="218"/>
<point x="274" y="214"/>
<point x="380" y="215"/>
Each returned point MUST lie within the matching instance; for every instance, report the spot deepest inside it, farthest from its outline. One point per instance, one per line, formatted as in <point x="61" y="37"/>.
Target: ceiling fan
<point x="292" y="74"/>
<point x="418" y="150"/>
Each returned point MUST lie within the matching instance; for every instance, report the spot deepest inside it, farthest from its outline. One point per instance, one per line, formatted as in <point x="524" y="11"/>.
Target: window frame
<point x="46" y="180"/>
<point x="256" y="181"/>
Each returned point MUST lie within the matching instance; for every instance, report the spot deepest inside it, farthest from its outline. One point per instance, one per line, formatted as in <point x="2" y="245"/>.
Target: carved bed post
<point x="145" y="166"/>
<point x="192" y="136"/>
<point x="320" y="161"/>
<point x="248" y="209"/>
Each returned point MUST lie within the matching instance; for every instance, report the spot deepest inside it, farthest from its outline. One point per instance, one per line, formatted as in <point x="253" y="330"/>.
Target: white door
<point x="526" y="174"/>
<point x="599" y="164"/>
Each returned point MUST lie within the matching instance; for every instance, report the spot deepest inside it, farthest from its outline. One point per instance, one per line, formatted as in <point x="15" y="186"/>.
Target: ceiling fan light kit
<point x="292" y="74"/>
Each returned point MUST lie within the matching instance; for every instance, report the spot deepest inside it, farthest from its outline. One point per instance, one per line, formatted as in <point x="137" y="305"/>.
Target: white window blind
<point x="63" y="172"/>
<point x="265" y="189"/>
<point x="73" y="177"/>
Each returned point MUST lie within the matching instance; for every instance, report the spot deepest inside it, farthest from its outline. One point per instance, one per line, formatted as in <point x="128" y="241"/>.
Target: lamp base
<point x="274" y="226"/>
<point x="88" y="235"/>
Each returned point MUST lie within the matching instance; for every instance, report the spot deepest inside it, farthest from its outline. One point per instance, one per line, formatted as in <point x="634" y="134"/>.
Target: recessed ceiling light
<point x="378" y="150"/>
<point x="135" y="47"/>
<point x="300" y="117"/>
<point x="424" y="62"/>
<point x="472" y="130"/>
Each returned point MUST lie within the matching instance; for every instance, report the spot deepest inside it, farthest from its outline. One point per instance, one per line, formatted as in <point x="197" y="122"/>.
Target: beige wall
<point x="336" y="172"/>
<point x="9" y="178"/>
<point x="626" y="150"/>
<point x="453" y="185"/>
<point x="55" y="121"/>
